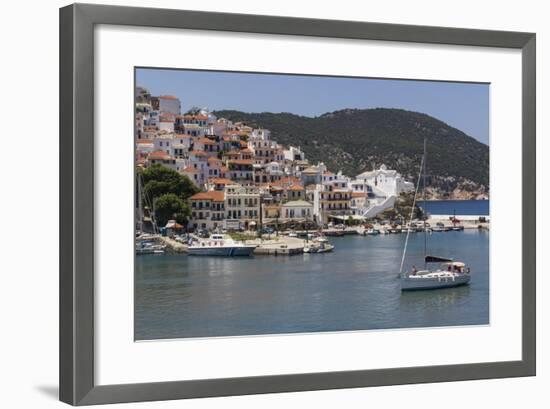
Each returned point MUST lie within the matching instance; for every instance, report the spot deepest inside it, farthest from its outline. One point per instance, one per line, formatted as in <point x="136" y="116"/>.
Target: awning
<point x="435" y="259"/>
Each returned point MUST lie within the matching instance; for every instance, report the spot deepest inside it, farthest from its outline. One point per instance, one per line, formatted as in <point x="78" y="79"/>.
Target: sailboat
<point x="450" y="273"/>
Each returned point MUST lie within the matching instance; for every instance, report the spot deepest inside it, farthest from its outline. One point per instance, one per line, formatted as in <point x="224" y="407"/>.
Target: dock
<point x="279" y="246"/>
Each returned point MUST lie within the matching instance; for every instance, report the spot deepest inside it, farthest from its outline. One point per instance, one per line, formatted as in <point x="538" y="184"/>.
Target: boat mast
<point x="412" y="215"/>
<point x="425" y="215"/>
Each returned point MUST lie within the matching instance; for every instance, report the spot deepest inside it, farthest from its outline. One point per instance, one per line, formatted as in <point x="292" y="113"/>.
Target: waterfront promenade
<point x="282" y="244"/>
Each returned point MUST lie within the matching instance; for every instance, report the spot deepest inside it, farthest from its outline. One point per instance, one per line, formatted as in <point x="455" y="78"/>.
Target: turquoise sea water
<point x="353" y="288"/>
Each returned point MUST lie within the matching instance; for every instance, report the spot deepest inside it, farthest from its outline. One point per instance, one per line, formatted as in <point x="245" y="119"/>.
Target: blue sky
<point x="462" y="105"/>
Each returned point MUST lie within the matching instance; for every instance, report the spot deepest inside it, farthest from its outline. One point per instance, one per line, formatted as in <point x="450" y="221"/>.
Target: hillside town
<point x="245" y="179"/>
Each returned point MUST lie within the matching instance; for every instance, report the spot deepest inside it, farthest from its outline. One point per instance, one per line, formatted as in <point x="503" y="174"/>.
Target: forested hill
<point x="356" y="140"/>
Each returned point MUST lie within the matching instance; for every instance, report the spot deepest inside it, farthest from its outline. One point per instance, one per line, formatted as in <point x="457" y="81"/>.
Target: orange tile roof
<point x="247" y="150"/>
<point x="189" y="169"/>
<point x="198" y="153"/>
<point x="295" y="187"/>
<point x="221" y="181"/>
<point x="289" y="180"/>
<point x="144" y="141"/>
<point x="158" y="155"/>
<point x="199" y="117"/>
<point x="206" y="141"/>
<point x="214" y="195"/>
<point x="167" y="97"/>
<point x="213" y="159"/>
<point x="358" y="194"/>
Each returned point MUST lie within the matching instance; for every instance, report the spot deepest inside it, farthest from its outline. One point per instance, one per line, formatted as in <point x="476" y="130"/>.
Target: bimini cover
<point x="435" y="259"/>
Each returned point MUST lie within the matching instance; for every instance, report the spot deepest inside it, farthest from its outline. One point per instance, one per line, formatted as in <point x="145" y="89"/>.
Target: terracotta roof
<point x="189" y="169"/>
<point x="213" y="159"/>
<point x="198" y="117"/>
<point x="221" y="181"/>
<point x="358" y="194"/>
<point x="214" y="195"/>
<point x="167" y="97"/>
<point x="206" y="141"/>
<point x="198" y="153"/>
<point x="247" y="150"/>
<point x="289" y="180"/>
<point x="158" y="155"/>
<point x="140" y="141"/>
<point x="296" y="187"/>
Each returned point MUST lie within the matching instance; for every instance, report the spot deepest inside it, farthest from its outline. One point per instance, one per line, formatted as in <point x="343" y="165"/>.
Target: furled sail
<point x="435" y="259"/>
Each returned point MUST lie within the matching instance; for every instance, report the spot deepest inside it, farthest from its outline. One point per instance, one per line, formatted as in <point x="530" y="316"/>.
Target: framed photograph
<point x="258" y="204"/>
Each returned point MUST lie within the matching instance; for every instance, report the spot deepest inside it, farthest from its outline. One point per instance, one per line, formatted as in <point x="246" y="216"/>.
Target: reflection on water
<point x="353" y="288"/>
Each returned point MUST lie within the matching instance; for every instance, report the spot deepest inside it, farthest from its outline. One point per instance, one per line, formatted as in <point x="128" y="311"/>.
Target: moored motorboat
<point x="149" y="247"/>
<point x="318" y="247"/>
<point x="220" y="245"/>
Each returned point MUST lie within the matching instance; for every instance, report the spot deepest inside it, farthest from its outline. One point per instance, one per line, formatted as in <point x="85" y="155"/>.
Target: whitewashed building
<point x="385" y="180"/>
<point x="297" y="210"/>
<point x="294" y="153"/>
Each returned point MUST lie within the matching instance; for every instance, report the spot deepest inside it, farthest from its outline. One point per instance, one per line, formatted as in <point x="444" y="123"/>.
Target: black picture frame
<point x="77" y="385"/>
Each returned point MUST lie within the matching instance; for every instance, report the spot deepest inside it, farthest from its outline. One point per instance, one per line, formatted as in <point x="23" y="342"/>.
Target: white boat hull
<point x="240" y="251"/>
<point x="432" y="283"/>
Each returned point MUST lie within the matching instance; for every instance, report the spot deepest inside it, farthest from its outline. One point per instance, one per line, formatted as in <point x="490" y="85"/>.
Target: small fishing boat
<point x="318" y="247"/>
<point x="372" y="232"/>
<point x="220" y="245"/>
<point x="320" y="239"/>
<point x="149" y="247"/>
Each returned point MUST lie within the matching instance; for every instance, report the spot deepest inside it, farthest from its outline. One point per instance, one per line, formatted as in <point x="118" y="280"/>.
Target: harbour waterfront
<point x="353" y="288"/>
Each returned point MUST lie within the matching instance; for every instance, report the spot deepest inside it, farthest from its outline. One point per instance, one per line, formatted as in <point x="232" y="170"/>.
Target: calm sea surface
<point x="353" y="288"/>
<point x="458" y="207"/>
